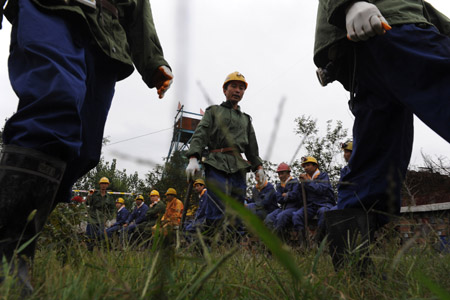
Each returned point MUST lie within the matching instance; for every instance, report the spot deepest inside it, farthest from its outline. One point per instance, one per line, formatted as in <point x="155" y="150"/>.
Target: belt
<point x="105" y="4"/>
<point x="224" y="150"/>
<point x="227" y="150"/>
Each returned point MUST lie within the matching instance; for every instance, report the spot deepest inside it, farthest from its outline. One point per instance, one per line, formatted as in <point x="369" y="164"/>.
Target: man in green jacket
<point x="65" y="59"/>
<point x="394" y="58"/>
<point x="227" y="132"/>
<point x="155" y="211"/>
<point x="100" y="209"/>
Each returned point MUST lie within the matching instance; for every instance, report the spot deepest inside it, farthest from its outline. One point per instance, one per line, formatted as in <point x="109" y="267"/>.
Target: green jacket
<point x="223" y="127"/>
<point x="154" y="213"/>
<point x="100" y="208"/>
<point x="130" y="39"/>
<point x="331" y="43"/>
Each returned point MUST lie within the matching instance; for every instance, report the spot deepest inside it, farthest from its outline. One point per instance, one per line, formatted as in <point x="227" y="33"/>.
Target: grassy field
<point x="64" y="269"/>
<point x="232" y="272"/>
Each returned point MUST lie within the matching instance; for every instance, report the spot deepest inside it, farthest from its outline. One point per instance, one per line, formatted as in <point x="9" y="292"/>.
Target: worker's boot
<point x="350" y="232"/>
<point x="29" y="181"/>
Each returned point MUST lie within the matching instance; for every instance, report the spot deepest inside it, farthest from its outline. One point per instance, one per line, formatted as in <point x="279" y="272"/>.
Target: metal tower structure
<point x="183" y="129"/>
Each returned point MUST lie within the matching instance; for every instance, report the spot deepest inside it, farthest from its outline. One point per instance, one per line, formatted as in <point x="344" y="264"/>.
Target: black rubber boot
<point x="29" y="181"/>
<point x="350" y="232"/>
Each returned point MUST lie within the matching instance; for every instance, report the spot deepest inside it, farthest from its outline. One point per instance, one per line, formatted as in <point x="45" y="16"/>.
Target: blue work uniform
<point x="138" y="216"/>
<point x="122" y="217"/>
<point x="319" y="199"/>
<point x="263" y="201"/>
<point x="200" y="213"/>
<point x="344" y="171"/>
<point x="281" y="218"/>
<point x="65" y="77"/>
<point x="402" y="73"/>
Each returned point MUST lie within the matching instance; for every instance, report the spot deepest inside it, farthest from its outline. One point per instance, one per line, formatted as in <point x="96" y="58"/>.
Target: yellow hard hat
<point x="104" y="180"/>
<point x="309" y="159"/>
<point x="139" y="197"/>
<point x="199" y="181"/>
<point x="235" y="76"/>
<point x="154" y="193"/>
<point x="120" y="200"/>
<point x="171" y="191"/>
<point x="347" y="146"/>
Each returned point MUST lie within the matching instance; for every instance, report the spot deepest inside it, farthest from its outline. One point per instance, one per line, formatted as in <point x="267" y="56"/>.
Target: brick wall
<point x="425" y="222"/>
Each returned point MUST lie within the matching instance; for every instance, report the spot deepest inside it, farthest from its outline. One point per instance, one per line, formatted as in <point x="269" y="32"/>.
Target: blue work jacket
<point x="292" y="199"/>
<point x="200" y="213"/>
<point x="265" y="198"/>
<point x="319" y="191"/>
<point x="122" y="216"/>
<point x="138" y="214"/>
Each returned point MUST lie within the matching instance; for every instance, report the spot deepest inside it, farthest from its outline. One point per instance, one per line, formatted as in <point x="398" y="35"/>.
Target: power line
<point x="136" y="137"/>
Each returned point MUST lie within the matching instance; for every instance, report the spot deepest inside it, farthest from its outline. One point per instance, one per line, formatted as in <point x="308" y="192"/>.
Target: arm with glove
<point x="360" y="19"/>
<point x="198" y="143"/>
<point x="146" y="50"/>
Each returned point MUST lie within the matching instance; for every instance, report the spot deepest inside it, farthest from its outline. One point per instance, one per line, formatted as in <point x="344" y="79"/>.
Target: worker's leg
<point x="350" y="232"/>
<point x="298" y="217"/>
<point x="411" y="64"/>
<point x="382" y="144"/>
<point x="284" y="219"/>
<point x="100" y="82"/>
<point x="405" y="71"/>
<point x="65" y="87"/>
<point x="216" y="181"/>
<point x="29" y="180"/>
<point x="271" y="218"/>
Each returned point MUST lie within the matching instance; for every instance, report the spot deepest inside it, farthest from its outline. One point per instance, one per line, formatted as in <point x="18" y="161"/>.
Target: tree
<point x="120" y="181"/>
<point x="171" y="175"/>
<point x="325" y="149"/>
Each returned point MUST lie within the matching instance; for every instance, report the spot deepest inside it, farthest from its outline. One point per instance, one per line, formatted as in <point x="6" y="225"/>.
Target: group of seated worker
<point x="142" y="221"/>
<point x="283" y="208"/>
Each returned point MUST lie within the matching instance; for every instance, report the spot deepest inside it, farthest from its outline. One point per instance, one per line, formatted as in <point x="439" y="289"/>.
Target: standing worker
<point x="100" y="209"/>
<point x="65" y="59"/>
<point x="393" y="57"/>
<point x="227" y="132"/>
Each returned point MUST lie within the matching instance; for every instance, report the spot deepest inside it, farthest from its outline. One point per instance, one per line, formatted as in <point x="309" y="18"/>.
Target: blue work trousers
<point x="298" y="217"/>
<point x="65" y="86"/>
<point x="261" y="213"/>
<point x="280" y="219"/>
<point x="232" y="185"/>
<point x="403" y="72"/>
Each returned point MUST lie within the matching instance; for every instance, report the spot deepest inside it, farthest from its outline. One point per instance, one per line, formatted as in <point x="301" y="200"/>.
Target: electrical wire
<point x="139" y="136"/>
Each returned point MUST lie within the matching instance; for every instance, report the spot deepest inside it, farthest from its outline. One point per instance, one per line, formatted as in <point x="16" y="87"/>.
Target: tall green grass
<point x="214" y="269"/>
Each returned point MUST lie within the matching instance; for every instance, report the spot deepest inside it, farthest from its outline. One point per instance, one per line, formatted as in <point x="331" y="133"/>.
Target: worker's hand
<point x="162" y="78"/>
<point x="192" y="168"/>
<point x="303" y="177"/>
<point x="363" y="20"/>
<point x="125" y="225"/>
<point x="262" y="176"/>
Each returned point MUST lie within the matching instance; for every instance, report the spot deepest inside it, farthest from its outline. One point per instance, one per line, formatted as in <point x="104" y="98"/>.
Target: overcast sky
<point x="270" y="42"/>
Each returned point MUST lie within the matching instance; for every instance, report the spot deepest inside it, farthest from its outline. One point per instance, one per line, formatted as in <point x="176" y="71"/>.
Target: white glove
<point x="192" y="167"/>
<point x="363" y="20"/>
<point x="262" y="176"/>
